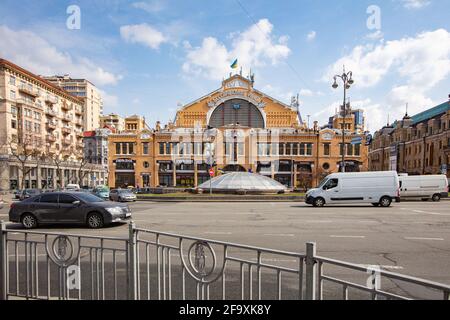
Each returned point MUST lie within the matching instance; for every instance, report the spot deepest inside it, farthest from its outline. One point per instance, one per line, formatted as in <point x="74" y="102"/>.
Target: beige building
<point x="113" y="121"/>
<point x="234" y="128"/>
<point x="415" y="145"/>
<point x="84" y="89"/>
<point x="41" y="132"/>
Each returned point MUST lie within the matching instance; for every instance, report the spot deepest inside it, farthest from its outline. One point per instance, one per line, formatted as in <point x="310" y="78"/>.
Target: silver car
<point x="122" y="195"/>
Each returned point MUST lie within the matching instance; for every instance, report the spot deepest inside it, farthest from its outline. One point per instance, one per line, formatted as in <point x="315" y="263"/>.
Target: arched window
<point x="237" y="111"/>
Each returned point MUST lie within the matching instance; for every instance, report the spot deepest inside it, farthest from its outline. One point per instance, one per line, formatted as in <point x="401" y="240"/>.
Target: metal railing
<point x="152" y="265"/>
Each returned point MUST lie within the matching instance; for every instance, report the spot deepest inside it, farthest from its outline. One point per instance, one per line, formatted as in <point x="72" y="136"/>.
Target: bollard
<point x="132" y="277"/>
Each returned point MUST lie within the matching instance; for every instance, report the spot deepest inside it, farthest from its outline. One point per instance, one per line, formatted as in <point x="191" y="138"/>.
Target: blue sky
<point x="149" y="56"/>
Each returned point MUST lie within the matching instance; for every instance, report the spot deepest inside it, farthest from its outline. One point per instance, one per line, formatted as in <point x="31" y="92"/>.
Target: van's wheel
<point x="436" y="197"/>
<point x="95" y="220"/>
<point x="318" y="202"/>
<point x="385" y="202"/>
<point x="29" y="221"/>
<point x="376" y="204"/>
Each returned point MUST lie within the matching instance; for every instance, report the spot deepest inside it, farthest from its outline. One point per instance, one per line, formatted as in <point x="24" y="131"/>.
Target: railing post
<point x="3" y="261"/>
<point x="310" y="286"/>
<point x="132" y="282"/>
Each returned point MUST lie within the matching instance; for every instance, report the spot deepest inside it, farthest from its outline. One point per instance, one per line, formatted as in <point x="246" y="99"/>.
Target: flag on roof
<point x="234" y="65"/>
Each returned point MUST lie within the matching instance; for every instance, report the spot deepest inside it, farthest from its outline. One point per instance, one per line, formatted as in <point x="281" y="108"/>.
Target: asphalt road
<point x="411" y="238"/>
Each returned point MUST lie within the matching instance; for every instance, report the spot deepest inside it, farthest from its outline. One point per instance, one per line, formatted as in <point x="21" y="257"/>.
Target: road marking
<point x="354" y="237"/>
<point x="318" y="221"/>
<point x="216" y="232"/>
<point x="420" y="238"/>
<point x="432" y="213"/>
<point x="279" y="234"/>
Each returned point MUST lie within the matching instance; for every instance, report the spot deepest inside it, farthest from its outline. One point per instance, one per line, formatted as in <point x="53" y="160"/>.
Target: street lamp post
<point x="347" y="80"/>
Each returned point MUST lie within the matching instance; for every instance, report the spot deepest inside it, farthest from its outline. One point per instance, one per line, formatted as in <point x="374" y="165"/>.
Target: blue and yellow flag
<point x="234" y="65"/>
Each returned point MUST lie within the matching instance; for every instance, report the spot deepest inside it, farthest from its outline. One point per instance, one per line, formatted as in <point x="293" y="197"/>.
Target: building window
<point x="12" y="80"/>
<point x="117" y="148"/>
<point x="12" y="94"/>
<point x="306" y="149"/>
<point x="145" y="148"/>
<point x="326" y="149"/>
<point x="13" y="124"/>
<point x="162" y="148"/>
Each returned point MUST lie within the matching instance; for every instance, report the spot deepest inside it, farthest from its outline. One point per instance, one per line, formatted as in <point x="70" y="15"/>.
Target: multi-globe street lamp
<point x="347" y="80"/>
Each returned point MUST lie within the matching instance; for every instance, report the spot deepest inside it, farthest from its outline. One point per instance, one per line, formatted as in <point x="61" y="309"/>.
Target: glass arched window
<point x="237" y="111"/>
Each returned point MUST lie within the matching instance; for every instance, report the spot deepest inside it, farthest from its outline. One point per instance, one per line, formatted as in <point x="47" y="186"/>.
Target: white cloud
<point x="311" y="36"/>
<point x="150" y="6"/>
<point x="415" y="4"/>
<point x="255" y="47"/>
<point x="143" y="34"/>
<point x="29" y="50"/>
<point x="423" y="60"/>
<point x="278" y="93"/>
<point x="110" y="101"/>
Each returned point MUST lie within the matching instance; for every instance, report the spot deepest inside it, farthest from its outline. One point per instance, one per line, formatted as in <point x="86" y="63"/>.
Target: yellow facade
<point x="234" y="128"/>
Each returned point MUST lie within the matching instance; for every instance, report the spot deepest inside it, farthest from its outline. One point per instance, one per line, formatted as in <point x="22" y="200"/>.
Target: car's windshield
<point x="101" y="189"/>
<point x="87" y="197"/>
<point x="322" y="183"/>
<point x="125" y="191"/>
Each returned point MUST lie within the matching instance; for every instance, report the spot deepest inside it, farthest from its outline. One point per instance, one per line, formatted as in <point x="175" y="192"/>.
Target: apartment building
<point x="113" y="121"/>
<point x="88" y="92"/>
<point x="41" y="132"/>
<point x="415" y="145"/>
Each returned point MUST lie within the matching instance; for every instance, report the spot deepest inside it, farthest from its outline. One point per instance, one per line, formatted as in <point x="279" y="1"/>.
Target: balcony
<point x="66" y="130"/>
<point x="50" y="100"/>
<point x="50" y="138"/>
<point x="27" y="102"/>
<point x="79" y="111"/>
<point x="80" y="145"/>
<point x="79" y="134"/>
<point x="51" y="125"/>
<point x="78" y="121"/>
<point x="51" y="112"/>
<point x="67" y="117"/>
<point x="29" y="91"/>
<point x="66" y="106"/>
<point x="66" y="141"/>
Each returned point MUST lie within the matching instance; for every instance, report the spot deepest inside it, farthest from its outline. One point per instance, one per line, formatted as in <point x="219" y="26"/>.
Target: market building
<point x="235" y="128"/>
<point x="415" y="145"/>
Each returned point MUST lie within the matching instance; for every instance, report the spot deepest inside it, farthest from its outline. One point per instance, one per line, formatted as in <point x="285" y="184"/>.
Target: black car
<point x="28" y="193"/>
<point x="67" y="207"/>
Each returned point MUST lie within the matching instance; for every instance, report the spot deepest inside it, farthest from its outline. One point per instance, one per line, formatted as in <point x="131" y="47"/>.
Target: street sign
<point x="356" y="140"/>
<point x="211" y="172"/>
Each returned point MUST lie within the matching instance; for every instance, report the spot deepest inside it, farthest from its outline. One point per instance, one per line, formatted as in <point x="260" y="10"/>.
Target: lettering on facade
<point x="236" y="94"/>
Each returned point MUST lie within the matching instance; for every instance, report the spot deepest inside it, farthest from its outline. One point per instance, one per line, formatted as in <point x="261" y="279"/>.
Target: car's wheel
<point x="376" y="204"/>
<point x="29" y="221"/>
<point x="95" y="220"/>
<point x="318" y="202"/>
<point x="385" y="202"/>
<point x="436" y="197"/>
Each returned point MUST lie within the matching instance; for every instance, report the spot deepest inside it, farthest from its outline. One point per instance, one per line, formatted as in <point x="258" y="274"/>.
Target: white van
<point x="432" y="187"/>
<point x="378" y="188"/>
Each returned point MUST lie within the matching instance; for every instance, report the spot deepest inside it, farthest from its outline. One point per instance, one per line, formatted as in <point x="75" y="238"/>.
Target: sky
<point x="150" y="57"/>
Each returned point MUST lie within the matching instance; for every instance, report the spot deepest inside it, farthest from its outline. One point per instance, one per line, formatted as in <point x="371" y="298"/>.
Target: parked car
<point x="101" y="192"/>
<point x="67" y="207"/>
<point x="377" y="188"/>
<point x="27" y="193"/>
<point x="72" y="187"/>
<point x="17" y="194"/>
<point x="432" y="187"/>
<point x="122" y="195"/>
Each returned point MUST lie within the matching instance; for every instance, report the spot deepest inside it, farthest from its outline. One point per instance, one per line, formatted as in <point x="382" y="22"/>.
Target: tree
<point x="84" y="167"/>
<point x="58" y="158"/>
<point x="27" y="150"/>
